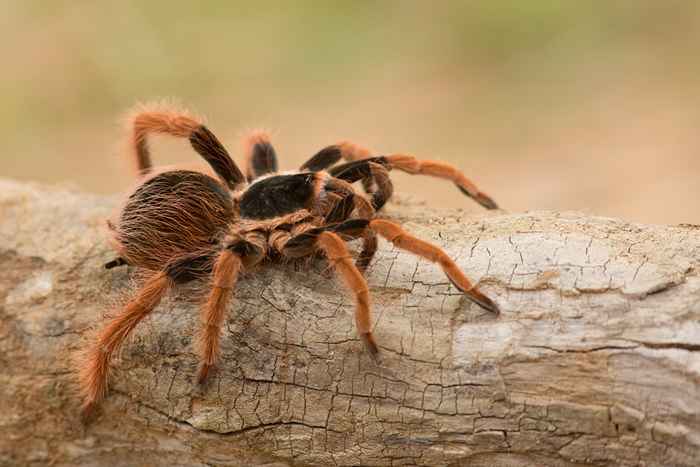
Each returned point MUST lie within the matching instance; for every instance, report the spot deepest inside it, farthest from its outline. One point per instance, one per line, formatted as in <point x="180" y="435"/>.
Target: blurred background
<point x="545" y="104"/>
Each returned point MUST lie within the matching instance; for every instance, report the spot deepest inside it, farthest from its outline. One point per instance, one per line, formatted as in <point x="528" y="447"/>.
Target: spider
<point x="181" y="225"/>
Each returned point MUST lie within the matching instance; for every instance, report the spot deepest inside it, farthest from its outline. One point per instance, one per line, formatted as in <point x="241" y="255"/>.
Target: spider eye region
<point x="277" y="195"/>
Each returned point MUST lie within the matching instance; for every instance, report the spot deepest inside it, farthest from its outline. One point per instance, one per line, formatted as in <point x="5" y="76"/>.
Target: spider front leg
<point x="339" y="257"/>
<point x="329" y="155"/>
<point x="346" y="201"/>
<point x="328" y="240"/>
<point x="402" y="239"/>
<point x="358" y="169"/>
<point x="374" y="176"/>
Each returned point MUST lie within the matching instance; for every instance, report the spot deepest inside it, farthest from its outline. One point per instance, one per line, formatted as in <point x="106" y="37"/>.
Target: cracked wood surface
<point x="594" y="360"/>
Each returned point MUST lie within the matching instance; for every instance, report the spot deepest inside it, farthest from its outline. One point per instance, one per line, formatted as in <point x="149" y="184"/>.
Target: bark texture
<point x="594" y="360"/>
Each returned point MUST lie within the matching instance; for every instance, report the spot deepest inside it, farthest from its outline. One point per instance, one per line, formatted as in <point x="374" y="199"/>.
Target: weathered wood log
<point x="594" y="360"/>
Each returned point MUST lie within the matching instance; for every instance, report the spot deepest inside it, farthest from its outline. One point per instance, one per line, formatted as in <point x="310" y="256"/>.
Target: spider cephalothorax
<point x="181" y="225"/>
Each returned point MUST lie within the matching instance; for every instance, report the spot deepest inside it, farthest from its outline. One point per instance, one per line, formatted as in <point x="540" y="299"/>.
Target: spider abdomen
<point x="170" y="215"/>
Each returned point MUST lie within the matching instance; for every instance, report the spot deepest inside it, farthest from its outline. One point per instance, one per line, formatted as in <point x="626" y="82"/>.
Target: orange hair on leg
<point x="94" y="373"/>
<point x="402" y="239"/>
<point x="164" y="120"/>
<point x="225" y="275"/>
<point x="353" y="152"/>
<point x="156" y="118"/>
<point x="411" y="165"/>
<point x="338" y="255"/>
<point x="369" y="249"/>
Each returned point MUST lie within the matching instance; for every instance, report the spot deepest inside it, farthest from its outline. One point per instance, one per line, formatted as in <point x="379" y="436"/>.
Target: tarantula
<point x="182" y="225"/>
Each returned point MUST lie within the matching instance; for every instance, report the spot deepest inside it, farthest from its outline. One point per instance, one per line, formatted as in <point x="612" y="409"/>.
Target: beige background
<point x="546" y="105"/>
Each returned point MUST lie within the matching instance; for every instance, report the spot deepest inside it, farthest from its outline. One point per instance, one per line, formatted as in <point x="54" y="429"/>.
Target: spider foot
<point x="88" y="413"/>
<point x="370" y="345"/>
<point x="481" y="198"/>
<point x="482" y="300"/>
<point x="204" y="371"/>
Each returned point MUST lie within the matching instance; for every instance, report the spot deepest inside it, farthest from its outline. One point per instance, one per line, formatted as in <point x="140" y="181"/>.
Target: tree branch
<point x="594" y="360"/>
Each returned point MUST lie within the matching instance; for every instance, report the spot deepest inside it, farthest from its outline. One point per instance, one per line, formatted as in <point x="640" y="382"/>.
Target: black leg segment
<point x="323" y="159"/>
<point x="374" y="173"/>
<point x="263" y="160"/>
<point x="115" y="263"/>
<point x="357" y="170"/>
<point x="305" y="243"/>
<point x="210" y="148"/>
<point x="190" y="267"/>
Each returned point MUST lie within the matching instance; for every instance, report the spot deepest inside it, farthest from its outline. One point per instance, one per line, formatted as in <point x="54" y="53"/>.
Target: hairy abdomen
<point x="172" y="214"/>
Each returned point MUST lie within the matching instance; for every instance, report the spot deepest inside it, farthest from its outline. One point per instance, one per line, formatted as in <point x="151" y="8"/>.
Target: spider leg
<point x="116" y="262"/>
<point x="353" y="152"/>
<point x="224" y="278"/>
<point x="94" y="373"/>
<point x="152" y="119"/>
<point x="238" y="254"/>
<point x="411" y="165"/>
<point x="329" y="155"/>
<point x="347" y="201"/>
<point x="338" y="255"/>
<point x="303" y="244"/>
<point x="260" y="155"/>
<point x="374" y="175"/>
<point x="358" y="170"/>
<point x="402" y="239"/>
<point x="328" y="240"/>
<point x="369" y="249"/>
<point x="323" y="159"/>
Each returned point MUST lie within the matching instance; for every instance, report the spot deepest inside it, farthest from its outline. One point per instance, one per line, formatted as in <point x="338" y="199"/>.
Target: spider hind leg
<point x="115" y="263"/>
<point x="95" y="369"/>
<point x="94" y="373"/>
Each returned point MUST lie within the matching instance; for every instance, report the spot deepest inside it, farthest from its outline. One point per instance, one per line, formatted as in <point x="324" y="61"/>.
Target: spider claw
<point x="87" y="414"/>
<point x="481" y="198"/>
<point x="485" y="201"/>
<point x="483" y="301"/>
<point x="477" y="297"/>
<point x="203" y="374"/>
<point x="371" y="346"/>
